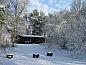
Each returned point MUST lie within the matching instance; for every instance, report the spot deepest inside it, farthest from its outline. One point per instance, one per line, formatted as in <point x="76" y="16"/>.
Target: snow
<point x="31" y="36"/>
<point x="23" y="56"/>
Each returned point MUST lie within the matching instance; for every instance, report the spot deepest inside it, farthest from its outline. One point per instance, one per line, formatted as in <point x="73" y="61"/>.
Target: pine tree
<point x="37" y="22"/>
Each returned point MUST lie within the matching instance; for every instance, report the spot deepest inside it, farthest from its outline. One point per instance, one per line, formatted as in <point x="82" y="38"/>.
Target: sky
<point x="49" y="5"/>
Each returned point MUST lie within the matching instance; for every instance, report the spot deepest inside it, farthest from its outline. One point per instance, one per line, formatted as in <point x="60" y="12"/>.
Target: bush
<point x="5" y="45"/>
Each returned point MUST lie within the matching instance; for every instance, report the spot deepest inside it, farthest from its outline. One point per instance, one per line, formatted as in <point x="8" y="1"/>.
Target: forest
<point x="65" y="29"/>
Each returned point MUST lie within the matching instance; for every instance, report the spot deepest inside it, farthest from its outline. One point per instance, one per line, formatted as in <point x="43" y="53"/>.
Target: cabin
<point x="30" y="39"/>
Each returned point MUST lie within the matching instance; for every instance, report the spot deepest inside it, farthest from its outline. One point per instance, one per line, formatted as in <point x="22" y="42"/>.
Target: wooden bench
<point x="9" y="56"/>
<point x="49" y="53"/>
<point x="35" y="55"/>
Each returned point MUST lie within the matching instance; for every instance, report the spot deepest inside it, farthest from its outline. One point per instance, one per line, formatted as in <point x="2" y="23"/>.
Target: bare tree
<point x="2" y="21"/>
<point x="76" y="6"/>
<point x="19" y="7"/>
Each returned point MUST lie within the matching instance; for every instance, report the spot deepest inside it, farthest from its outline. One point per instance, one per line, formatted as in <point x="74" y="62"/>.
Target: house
<point x="30" y="39"/>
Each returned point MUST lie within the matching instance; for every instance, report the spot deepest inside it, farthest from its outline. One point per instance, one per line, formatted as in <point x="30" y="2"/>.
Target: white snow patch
<point x="23" y="56"/>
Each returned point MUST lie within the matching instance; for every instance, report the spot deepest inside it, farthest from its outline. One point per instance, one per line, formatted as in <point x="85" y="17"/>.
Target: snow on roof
<point x="31" y="36"/>
<point x="2" y="6"/>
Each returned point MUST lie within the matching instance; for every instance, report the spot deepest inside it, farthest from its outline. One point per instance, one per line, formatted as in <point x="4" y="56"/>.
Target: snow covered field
<point x="23" y="56"/>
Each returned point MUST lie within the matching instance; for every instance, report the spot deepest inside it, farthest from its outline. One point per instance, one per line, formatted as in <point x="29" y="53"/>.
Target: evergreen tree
<point x="37" y="21"/>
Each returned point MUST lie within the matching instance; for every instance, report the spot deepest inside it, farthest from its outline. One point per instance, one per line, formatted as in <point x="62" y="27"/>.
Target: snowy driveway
<point x="23" y="56"/>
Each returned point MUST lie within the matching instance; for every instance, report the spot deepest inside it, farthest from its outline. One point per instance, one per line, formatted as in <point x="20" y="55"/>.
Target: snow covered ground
<point x="23" y="56"/>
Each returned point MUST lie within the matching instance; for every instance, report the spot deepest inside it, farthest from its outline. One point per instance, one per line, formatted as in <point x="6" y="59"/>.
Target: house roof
<point x="31" y="36"/>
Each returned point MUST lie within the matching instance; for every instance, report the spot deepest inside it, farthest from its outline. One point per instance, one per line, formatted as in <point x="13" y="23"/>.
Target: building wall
<point x="30" y="40"/>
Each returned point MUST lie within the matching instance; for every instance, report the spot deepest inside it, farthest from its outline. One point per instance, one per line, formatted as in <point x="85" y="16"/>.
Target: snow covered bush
<point x="68" y="29"/>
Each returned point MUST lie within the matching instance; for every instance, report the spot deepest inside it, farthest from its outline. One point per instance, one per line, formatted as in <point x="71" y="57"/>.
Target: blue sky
<point x="49" y="5"/>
